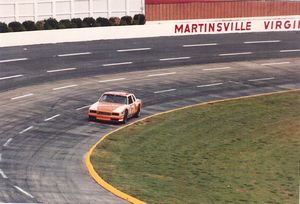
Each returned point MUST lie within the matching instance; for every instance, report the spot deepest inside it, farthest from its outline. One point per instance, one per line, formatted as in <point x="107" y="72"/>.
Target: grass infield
<point x="240" y="151"/>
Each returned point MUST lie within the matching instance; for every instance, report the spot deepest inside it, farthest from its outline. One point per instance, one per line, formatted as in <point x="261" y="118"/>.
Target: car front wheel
<point x="125" y="118"/>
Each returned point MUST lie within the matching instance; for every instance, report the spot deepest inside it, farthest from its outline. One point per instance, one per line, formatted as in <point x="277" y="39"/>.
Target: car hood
<point x="108" y="107"/>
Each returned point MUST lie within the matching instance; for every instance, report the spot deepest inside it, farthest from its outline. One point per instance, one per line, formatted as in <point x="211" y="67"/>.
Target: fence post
<point x="16" y="11"/>
<point x="54" y="8"/>
<point x="72" y="8"/>
<point x="108" y="9"/>
<point x="127" y="7"/>
<point x="91" y="8"/>
<point x="35" y="9"/>
<point x="142" y="7"/>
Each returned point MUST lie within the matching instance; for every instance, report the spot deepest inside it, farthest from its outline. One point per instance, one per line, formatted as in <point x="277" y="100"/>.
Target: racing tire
<point x="125" y="118"/>
<point x="138" y="113"/>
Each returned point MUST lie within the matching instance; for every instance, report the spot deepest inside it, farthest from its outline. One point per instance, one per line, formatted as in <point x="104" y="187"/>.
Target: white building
<point x="21" y="10"/>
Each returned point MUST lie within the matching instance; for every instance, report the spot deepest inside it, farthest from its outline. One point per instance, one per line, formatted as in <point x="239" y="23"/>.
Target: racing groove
<point x="45" y="162"/>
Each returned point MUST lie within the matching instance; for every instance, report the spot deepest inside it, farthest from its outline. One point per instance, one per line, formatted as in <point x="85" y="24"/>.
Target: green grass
<point x="241" y="151"/>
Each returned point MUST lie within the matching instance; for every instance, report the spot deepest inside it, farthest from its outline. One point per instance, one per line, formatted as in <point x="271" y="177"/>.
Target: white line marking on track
<point x="23" y="96"/>
<point x="22" y="203"/>
<point x="161" y="74"/>
<point x="83" y="107"/>
<point x="26" y="193"/>
<point x="25" y="130"/>
<point x="3" y="174"/>
<point x="111" y="80"/>
<point x="60" y="70"/>
<point x="263" y="41"/>
<point x="7" y="142"/>
<point x="0" y="157"/>
<point x="262" y="79"/>
<point x="297" y="50"/>
<point x="11" y="77"/>
<point x="217" y="68"/>
<point x="164" y="91"/>
<point x="74" y="54"/>
<point x="51" y="118"/>
<point x="275" y="63"/>
<point x="209" y="85"/>
<point x="175" y="58"/>
<point x="64" y="87"/>
<point x="116" y="64"/>
<point x="134" y="49"/>
<point x="234" y="54"/>
<point x="200" y="45"/>
<point x="13" y="60"/>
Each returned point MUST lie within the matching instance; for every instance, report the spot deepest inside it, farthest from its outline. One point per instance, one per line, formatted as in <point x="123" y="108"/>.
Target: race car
<point x="116" y="107"/>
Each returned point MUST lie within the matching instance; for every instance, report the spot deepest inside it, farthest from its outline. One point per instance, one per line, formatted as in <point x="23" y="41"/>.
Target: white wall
<point x="153" y="29"/>
<point x="21" y="10"/>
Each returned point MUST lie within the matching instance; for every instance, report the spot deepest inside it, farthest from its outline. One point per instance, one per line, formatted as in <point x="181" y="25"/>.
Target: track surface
<point x="45" y="89"/>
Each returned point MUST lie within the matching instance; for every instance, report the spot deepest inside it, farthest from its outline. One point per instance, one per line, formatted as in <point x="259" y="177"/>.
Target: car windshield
<point x="113" y="98"/>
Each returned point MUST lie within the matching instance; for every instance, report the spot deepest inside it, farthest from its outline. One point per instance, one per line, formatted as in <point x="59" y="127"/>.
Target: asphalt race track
<point x="45" y="91"/>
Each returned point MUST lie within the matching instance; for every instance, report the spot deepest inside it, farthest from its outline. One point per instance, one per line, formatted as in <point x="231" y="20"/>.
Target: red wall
<point x="181" y="1"/>
<point x="201" y="9"/>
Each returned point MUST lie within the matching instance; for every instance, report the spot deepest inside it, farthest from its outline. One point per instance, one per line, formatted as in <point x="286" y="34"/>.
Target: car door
<point x="131" y="105"/>
<point x="136" y="103"/>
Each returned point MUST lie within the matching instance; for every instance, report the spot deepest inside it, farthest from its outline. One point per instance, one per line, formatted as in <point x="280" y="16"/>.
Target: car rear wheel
<point x="138" y="113"/>
<point x="125" y="118"/>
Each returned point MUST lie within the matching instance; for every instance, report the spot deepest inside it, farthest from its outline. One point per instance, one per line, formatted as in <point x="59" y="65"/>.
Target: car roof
<point x="118" y="93"/>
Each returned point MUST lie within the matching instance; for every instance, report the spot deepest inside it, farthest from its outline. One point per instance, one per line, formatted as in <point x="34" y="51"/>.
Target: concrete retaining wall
<point x="154" y="29"/>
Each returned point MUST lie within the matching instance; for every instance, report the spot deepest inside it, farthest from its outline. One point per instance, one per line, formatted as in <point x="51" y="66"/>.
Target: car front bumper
<point x="96" y="116"/>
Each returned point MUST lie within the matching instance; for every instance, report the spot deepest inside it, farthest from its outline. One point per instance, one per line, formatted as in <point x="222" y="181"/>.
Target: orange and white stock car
<point x="115" y="106"/>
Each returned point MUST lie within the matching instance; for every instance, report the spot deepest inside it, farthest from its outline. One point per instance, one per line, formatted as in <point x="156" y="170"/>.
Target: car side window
<point x="130" y="100"/>
<point x="133" y="98"/>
